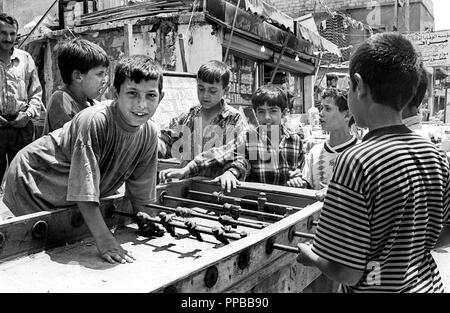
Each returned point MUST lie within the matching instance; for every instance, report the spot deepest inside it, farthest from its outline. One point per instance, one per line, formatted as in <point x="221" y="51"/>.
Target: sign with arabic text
<point x="434" y="46"/>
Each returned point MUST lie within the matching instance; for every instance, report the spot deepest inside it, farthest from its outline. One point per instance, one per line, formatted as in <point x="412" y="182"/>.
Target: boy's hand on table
<point x="296" y="182"/>
<point x="320" y="195"/>
<point x="227" y="181"/>
<point x="173" y="173"/>
<point x="111" y="251"/>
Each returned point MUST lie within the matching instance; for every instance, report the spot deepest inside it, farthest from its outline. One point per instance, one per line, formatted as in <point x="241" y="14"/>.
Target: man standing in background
<point x="20" y="93"/>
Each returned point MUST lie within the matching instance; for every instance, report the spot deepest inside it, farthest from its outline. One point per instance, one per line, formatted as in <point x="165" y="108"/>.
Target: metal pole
<point x="395" y="15"/>
<point x="39" y="23"/>
<point x="232" y="31"/>
<point x="279" y="58"/>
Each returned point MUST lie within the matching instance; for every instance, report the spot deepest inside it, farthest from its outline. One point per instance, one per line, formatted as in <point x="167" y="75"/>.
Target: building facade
<point x="332" y="16"/>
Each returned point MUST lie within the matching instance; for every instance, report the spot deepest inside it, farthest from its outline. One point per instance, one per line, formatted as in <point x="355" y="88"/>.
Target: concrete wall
<point x="201" y="45"/>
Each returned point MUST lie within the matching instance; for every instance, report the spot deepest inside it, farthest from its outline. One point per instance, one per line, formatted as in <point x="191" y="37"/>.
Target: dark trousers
<point x="11" y="141"/>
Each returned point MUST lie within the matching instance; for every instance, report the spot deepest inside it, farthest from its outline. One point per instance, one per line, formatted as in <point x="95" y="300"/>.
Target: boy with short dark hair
<point x="388" y="198"/>
<point x="211" y="123"/>
<point x="91" y="156"/>
<point x="83" y="66"/>
<point x="270" y="154"/>
<point x="335" y="118"/>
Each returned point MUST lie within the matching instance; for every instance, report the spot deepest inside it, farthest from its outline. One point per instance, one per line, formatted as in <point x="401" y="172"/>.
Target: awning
<point x="318" y="41"/>
<point x="307" y="28"/>
<point x="265" y="10"/>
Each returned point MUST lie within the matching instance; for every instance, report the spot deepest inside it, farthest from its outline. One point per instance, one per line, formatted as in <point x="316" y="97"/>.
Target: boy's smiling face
<point x="208" y="94"/>
<point x="269" y="115"/>
<point x="93" y="82"/>
<point x="137" y="102"/>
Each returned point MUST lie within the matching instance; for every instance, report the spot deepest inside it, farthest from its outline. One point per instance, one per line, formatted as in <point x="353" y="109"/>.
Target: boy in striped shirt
<point x="387" y="203"/>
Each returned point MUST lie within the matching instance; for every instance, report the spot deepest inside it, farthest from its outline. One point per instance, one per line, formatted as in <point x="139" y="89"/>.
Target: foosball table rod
<point x="221" y="198"/>
<point x="185" y="212"/>
<point x="221" y="208"/>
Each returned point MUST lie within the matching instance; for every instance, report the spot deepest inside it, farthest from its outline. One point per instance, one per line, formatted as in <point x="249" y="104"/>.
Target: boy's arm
<point x="444" y="238"/>
<point x="335" y="271"/>
<point x="107" y="245"/>
<point x="230" y="156"/>
<point x="34" y="91"/>
<point x="169" y="136"/>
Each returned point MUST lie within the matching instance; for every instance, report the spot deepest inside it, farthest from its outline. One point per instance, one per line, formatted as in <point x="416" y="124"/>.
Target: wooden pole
<point x="41" y="19"/>
<point x="182" y="52"/>
<point x="128" y="30"/>
<point x="232" y="31"/>
<point x="395" y="15"/>
<point x="279" y="58"/>
<point x="407" y="12"/>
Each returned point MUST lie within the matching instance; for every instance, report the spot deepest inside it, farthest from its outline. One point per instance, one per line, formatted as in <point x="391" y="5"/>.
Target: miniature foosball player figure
<point x="387" y="203"/>
<point x="269" y="154"/>
<point x="93" y="155"/>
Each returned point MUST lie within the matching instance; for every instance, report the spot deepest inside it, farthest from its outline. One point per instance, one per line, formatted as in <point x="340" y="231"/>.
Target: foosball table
<point x="195" y="238"/>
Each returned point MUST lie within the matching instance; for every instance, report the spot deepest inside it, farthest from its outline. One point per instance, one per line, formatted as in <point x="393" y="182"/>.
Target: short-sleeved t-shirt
<point x="88" y="158"/>
<point x="319" y="163"/>
<point x="384" y="210"/>
<point x="61" y="108"/>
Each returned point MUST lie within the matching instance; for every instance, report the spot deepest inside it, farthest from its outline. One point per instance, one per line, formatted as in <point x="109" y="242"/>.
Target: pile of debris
<point x="134" y="10"/>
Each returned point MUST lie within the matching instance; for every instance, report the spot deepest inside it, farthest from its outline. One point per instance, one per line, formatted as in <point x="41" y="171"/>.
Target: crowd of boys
<point x="386" y="198"/>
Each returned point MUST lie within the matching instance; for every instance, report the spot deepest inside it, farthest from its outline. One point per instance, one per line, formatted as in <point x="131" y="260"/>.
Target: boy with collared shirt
<point x="94" y="154"/>
<point x="211" y="123"/>
<point x="270" y="154"/>
<point x="388" y="199"/>
<point x="83" y="66"/>
<point x="20" y="94"/>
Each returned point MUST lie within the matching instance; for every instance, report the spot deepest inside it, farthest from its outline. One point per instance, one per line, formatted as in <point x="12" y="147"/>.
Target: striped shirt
<point x="255" y="157"/>
<point x="384" y="210"/>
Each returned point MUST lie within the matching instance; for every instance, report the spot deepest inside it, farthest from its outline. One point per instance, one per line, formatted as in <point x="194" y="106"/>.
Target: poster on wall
<point x="180" y="94"/>
<point x="434" y="46"/>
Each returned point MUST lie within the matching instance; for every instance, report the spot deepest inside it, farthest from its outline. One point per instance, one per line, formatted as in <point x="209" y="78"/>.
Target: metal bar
<point x="279" y="58"/>
<point x="304" y="235"/>
<point x="232" y="199"/>
<point x="182" y="52"/>
<point x="206" y="216"/>
<point x="232" y="31"/>
<point x="285" y="248"/>
<point x="85" y="6"/>
<point x="40" y="21"/>
<point x="220" y="208"/>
